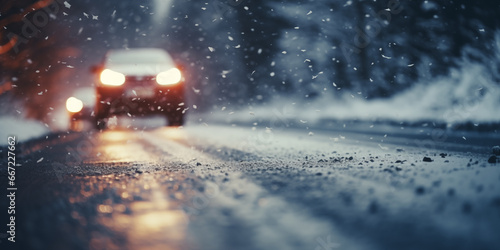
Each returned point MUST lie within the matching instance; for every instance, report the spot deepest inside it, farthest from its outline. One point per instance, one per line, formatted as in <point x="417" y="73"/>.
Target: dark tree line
<point x="379" y="48"/>
<point x="247" y="52"/>
<point x="303" y="49"/>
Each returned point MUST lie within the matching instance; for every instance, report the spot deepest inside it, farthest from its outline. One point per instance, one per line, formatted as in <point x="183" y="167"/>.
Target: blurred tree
<point x="33" y="60"/>
<point x="260" y="30"/>
<point x="206" y="37"/>
<point x="379" y="48"/>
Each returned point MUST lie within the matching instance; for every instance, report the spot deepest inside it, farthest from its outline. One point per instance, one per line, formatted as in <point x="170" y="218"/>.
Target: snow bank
<point x="467" y="94"/>
<point x="21" y="128"/>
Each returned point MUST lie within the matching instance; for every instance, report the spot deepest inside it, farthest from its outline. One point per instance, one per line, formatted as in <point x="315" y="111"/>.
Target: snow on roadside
<point x="467" y="94"/>
<point x="23" y="129"/>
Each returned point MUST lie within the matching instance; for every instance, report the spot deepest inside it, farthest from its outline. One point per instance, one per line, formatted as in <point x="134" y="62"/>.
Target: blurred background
<point x="397" y="60"/>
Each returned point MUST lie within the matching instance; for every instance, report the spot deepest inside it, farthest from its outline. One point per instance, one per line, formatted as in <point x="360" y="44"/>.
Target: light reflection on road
<point x="151" y="223"/>
<point x="138" y="213"/>
<point x="121" y="146"/>
<point x="173" y="134"/>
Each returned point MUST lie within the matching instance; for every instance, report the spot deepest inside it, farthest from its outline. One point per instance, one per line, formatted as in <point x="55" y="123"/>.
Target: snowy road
<point x="237" y="187"/>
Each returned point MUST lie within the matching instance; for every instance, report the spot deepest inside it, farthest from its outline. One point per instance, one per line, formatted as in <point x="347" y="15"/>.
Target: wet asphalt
<point x="209" y="186"/>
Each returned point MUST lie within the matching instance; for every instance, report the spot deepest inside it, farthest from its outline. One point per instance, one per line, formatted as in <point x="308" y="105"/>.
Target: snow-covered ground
<point x="22" y="129"/>
<point x="463" y="96"/>
<point x="466" y="95"/>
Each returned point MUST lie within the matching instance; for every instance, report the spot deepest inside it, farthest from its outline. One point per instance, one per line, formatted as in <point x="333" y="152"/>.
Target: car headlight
<point x="112" y="78"/>
<point x="74" y="105"/>
<point x="169" y="77"/>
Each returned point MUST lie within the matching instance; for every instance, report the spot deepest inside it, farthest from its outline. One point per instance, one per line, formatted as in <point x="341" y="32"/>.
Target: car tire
<point x="175" y="119"/>
<point x="100" y="124"/>
<point x="101" y="113"/>
<point x="73" y="125"/>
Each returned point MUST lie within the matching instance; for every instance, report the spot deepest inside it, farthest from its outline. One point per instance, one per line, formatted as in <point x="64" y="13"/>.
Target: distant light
<point x="113" y="78"/>
<point x="74" y="105"/>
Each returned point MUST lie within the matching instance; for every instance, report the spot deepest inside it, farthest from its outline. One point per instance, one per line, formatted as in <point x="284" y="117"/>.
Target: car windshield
<point x="138" y="56"/>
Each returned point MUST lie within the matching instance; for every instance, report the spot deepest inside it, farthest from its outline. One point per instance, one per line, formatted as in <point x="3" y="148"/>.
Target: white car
<point x="139" y="82"/>
<point x="80" y="107"/>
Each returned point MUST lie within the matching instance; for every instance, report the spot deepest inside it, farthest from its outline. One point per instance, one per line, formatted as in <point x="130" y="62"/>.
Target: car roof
<point x="137" y="56"/>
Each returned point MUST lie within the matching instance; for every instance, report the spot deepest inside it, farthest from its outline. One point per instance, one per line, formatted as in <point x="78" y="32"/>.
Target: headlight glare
<point x="74" y="105"/>
<point x="169" y="77"/>
<point x="112" y="78"/>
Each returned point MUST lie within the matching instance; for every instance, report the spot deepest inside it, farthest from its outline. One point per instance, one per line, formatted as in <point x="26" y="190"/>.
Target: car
<point x="80" y="108"/>
<point x="139" y="82"/>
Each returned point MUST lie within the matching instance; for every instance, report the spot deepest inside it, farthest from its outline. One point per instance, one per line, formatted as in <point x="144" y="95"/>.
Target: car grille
<point x="140" y="81"/>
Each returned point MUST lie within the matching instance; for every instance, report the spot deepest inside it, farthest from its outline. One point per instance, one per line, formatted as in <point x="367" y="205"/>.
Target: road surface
<point x="208" y="186"/>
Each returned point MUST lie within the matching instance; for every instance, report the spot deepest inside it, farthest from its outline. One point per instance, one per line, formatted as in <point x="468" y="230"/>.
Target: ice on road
<point x="237" y="187"/>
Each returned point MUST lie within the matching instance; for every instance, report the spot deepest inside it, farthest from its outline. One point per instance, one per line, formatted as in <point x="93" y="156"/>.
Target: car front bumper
<point x="139" y="100"/>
